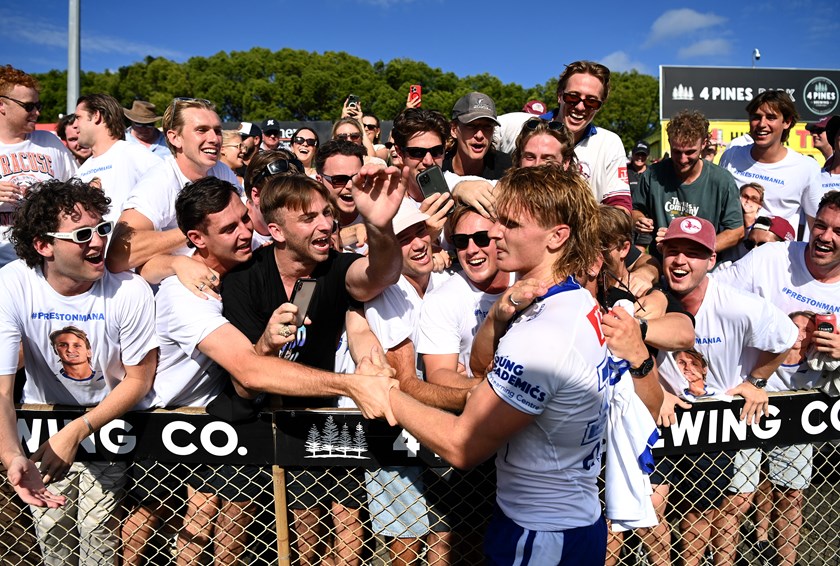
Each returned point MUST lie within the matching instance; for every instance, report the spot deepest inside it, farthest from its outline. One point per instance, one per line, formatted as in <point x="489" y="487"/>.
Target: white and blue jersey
<point x="552" y="363"/>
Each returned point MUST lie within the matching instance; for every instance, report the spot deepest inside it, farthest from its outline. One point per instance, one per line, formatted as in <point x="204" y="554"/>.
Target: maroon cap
<point x="818" y="126"/>
<point x="777" y="225"/>
<point x="692" y="228"/>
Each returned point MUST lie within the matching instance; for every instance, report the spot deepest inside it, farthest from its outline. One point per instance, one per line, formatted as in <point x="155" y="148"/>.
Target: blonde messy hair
<point x="552" y="196"/>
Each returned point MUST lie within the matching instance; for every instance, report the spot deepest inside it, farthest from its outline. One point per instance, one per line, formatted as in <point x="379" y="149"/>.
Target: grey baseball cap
<point x="473" y="106"/>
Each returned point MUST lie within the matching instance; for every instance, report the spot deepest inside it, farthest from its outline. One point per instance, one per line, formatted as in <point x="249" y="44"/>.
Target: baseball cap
<point x="641" y="147"/>
<point x="407" y="216"/>
<point x="831" y="129"/>
<point x="818" y="126"/>
<point x="535" y="107"/>
<point x="473" y="106"/>
<point x="692" y="228"/>
<point x="270" y="125"/>
<point x="777" y="225"/>
<point x="247" y="130"/>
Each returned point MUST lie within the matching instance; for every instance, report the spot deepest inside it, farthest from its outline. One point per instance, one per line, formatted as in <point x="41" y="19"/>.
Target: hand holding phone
<point x="302" y="297"/>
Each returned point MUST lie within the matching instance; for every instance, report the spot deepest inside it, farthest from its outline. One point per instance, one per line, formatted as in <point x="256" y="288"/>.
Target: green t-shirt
<point x="713" y="196"/>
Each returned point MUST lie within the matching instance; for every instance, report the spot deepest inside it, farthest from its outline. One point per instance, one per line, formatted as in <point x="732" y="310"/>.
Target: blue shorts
<point x="508" y="544"/>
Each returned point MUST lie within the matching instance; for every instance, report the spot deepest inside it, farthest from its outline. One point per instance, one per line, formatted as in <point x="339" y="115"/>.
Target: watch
<point x="643" y="369"/>
<point x="757" y="381"/>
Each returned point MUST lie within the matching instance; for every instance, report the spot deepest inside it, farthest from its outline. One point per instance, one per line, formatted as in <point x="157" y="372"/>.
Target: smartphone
<point x="352" y="101"/>
<point x="301" y="297"/>
<point x="415" y="92"/>
<point x="431" y="181"/>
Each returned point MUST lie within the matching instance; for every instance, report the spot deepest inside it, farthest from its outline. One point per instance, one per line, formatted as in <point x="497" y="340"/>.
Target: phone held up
<point x="432" y="182"/>
<point x="301" y="297"/>
<point x="415" y="93"/>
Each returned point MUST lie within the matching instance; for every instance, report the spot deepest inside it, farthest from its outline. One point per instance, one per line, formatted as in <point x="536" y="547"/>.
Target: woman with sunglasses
<point x="231" y="154"/>
<point x="349" y="129"/>
<point x="305" y="147"/>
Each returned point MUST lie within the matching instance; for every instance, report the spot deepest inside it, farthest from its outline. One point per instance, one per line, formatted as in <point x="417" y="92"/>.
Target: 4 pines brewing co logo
<point x="820" y="96"/>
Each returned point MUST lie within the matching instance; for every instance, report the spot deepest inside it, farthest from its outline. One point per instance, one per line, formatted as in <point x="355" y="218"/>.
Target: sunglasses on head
<point x="534" y="123"/>
<point x="462" y="241"/>
<point x="277" y="167"/>
<point x="27" y="106"/>
<point x="311" y="142"/>
<point x="178" y="99"/>
<point x="574" y="99"/>
<point x="352" y="137"/>
<point x="338" y="180"/>
<point x="420" y="152"/>
<point x="85" y="234"/>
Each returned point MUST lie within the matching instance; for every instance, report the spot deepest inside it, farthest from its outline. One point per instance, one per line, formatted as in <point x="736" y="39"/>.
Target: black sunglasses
<point x="277" y="167"/>
<point x="27" y="106"/>
<point x="535" y="123"/>
<point x="389" y="144"/>
<point x="311" y="142"/>
<point x="750" y="244"/>
<point x="462" y="241"/>
<point x="338" y="180"/>
<point x="370" y="126"/>
<point x="575" y="99"/>
<point x="420" y="152"/>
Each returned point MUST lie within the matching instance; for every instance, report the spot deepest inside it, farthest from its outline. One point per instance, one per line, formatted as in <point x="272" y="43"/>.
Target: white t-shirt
<point x="786" y="183"/>
<point x="510" y="125"/>
<point x="731" y="328"/>
<point x="155" y="193"/>
<point x="552" y="363"/>
<point x="394" y="315"/>
<point x="777" y="272"/>
<point x="603" y="163"/>
<point x="185" y="376"/>
<point x="828" y="182"/>
<point x="118" y="169"/>
<point x="39" y="157"/>
<point x="117" y="315"/>
<point x="450" y="317"/>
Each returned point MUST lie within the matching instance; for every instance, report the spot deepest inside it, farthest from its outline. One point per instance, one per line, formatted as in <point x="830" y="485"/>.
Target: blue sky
<point x="526" y="43"/>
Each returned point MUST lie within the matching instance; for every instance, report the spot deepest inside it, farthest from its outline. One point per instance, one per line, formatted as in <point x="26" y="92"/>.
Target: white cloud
<point x="620" y="61"/>
<point x="675" y="23"/>
<point x="45" y="34"/>
<point x="706" y="48"/>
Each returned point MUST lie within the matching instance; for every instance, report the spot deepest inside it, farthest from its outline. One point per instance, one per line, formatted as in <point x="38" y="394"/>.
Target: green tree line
<point x="292" y="85"/>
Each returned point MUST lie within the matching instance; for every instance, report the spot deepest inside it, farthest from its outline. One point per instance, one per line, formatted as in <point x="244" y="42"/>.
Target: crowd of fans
<point x="538" y="304"/>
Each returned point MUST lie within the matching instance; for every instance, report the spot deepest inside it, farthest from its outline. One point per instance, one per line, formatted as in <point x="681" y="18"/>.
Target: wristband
<point x="87" y="422"/>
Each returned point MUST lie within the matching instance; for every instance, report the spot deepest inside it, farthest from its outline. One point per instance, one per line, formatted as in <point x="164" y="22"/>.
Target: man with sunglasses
<point x="27" y="155"/>
<point x="337" y="164"/>
<point x="60" y="236"/>
<point x="147" y="236"/>
<point x="582" y="89"/>
<point x="264" y="166"/>
<point x="116" y="164"/>
<point x="142" y="129"/>
<point x="270" y="134"/>
<point x="472" y="126"/>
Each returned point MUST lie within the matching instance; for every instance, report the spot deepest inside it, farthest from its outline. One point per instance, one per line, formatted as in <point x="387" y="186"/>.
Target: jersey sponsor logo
<point x="818" y="305"/>
<point x="68" y="317"/>
<point x="676" y="208"/>
<point x="622" y="174"/>
<point x="26" y="162"/>
<point x="99" y="169"/>
<point x="707" y="340"/>
<point x="508" y="370"/>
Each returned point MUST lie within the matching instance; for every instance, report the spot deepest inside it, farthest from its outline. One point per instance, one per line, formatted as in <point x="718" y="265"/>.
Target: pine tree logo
<point x="330" y="442"/>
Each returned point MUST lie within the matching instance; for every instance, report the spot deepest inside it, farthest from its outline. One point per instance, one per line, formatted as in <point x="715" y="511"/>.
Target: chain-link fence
<point x="185" y="488"/>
